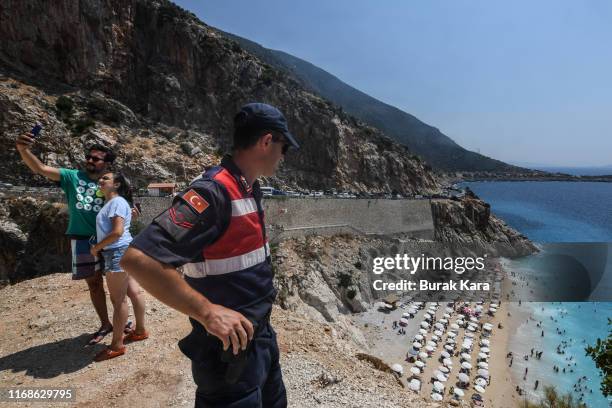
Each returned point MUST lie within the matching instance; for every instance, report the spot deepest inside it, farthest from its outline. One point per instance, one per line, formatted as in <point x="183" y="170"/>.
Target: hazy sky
<point x="521" y="81"/>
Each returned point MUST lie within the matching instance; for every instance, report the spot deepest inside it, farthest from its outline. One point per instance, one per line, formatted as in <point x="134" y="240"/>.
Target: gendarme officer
<point x="215" y="231"/>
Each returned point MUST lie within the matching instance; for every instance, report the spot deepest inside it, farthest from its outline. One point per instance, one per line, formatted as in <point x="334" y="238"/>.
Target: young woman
<point x="113" y="236"/>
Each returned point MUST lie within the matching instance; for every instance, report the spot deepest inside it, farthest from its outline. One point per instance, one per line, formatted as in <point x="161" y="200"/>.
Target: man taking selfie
<point x="84" y="202"/>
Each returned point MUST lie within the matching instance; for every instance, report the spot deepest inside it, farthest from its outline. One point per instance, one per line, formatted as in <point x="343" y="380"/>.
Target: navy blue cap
<point x="261" y="116"/>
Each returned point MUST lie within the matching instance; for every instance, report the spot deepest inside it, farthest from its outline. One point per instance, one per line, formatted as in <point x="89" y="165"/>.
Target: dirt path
<point x="45" y="322"/>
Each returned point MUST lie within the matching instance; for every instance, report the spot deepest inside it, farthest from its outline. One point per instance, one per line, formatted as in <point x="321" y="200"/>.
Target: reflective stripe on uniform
<point x="227" y="265"/>
<point x="243" y="207"/>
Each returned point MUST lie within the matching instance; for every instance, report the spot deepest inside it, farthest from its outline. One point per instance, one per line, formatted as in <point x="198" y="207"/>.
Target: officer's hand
<point x="24" y="141"/>
<point x="231" y="327"/>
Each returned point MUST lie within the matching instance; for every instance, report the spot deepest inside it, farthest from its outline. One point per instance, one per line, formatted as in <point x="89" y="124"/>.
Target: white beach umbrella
<point x="419" y="364"/>
<point x="423" y="331"/>
<point x="451" y="334"/>
<point x="423" y="355"/>
<point x="435" y="338"/>
<point x="415" y="370"/>
<point x="438" y="333"/>
<point x="479" y="388"/>
<point x="466" y="365"/>
<point x="415" y="385"/>
<point x="450" y="340"/>
<point x="466" y="356"/>
<point x="481" y="381"/>
<point x="448" y="347"/>
<point x="412" y="311"/>
<point x="471" y="328"/>
<point x="404" y="320"/>
<point x="418" y="337"/>
<point x="416" y="345"/>
<point x="485" y="342"/>
<point x="439" y="326"/>
<point x="478" y="308"/>
<point x="446" y="315"/>
<point x="484" y="373"/>
<point x="487" y="325"/>
<point x="436" y="397"/>
<point x="494" y="305"/>
<point x="438" y="386"/>
<point x="397" y="368"/>
<point x="473" y="319"/>
<point x="459" y="392"/>
<point x="454" y="326"/>
<point x="484" y="350"/>
<point x="447" y="362"/>
<point x="444" y="370"/>
<point x="469" y="335"/>
<point x="424" y="325"/>
<point x="388" y="306"/>
<point x="406" y="315"/>
<point x="483" y="364"/>
<point x="441" y="377"/>
<point x="445" y="354"/>
<point x="430" y="349"/>
<point x="443" y="321"/>
<point x="427" y="316"/>
<point x="464" y="378"/>
<point x="431" y="343"/>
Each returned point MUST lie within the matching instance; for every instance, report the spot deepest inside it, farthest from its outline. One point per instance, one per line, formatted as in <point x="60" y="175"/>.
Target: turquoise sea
<point x="553" y="212"/>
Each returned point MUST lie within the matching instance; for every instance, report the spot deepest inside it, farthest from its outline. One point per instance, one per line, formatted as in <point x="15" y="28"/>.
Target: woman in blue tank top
<point x="113" y="237"/>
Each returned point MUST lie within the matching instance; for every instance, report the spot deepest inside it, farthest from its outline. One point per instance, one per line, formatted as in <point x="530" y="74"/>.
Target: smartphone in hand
<point x="36" y="130"/>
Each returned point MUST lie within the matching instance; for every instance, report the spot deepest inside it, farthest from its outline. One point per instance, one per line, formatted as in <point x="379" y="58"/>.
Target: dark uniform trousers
<point x="259" y="386"/>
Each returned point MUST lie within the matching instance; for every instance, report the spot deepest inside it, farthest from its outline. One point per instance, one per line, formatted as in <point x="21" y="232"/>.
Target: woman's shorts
<point x="112" y="258"/>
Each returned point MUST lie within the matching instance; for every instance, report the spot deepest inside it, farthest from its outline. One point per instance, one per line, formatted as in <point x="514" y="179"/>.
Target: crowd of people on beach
<point x="471" y="353"/>
<point x="581" y="387"/>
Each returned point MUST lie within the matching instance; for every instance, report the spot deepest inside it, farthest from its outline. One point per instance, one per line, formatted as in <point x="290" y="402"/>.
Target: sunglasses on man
<point x="95" y="159"/>
<point x="278" y="138"/>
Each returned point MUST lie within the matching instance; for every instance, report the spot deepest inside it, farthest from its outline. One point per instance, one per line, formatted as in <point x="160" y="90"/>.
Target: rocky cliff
<point x="469" y="222"/>
<point x="162" y="87"/>
<point x="32" y="240"/>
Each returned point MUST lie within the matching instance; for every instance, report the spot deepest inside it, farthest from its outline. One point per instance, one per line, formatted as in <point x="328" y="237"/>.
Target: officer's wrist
<point x="204" y="312"/>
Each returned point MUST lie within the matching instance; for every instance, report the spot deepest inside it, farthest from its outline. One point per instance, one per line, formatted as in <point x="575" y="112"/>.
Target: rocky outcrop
<point x="162" y="87"/>
<point x="32" y="240"/>
<point x="469" y="222"/>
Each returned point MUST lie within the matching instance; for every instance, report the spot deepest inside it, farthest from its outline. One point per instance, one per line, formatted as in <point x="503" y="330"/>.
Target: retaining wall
<point x="294" y="217"/>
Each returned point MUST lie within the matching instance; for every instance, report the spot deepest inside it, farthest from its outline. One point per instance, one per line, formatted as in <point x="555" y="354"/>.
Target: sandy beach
<point x="393" y="343"/>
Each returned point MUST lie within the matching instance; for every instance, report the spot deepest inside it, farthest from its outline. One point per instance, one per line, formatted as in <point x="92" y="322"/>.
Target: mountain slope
<point x="436" y="148"/>
<point x="162" y="87"/>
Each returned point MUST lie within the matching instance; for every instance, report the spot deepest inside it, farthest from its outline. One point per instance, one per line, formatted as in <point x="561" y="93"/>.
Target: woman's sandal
<point x="132" y="337"/>
<point x="108" y="353"/>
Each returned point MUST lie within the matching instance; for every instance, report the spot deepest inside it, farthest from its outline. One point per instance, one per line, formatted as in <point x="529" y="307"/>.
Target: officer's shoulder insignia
<point x="195" y="201"/>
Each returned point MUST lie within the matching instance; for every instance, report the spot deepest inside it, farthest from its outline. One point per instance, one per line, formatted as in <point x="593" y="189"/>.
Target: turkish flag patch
<point x="195" y="201"/>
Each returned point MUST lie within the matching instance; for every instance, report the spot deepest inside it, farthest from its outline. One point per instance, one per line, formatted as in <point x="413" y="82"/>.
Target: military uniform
<point x="215" y="231"/>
